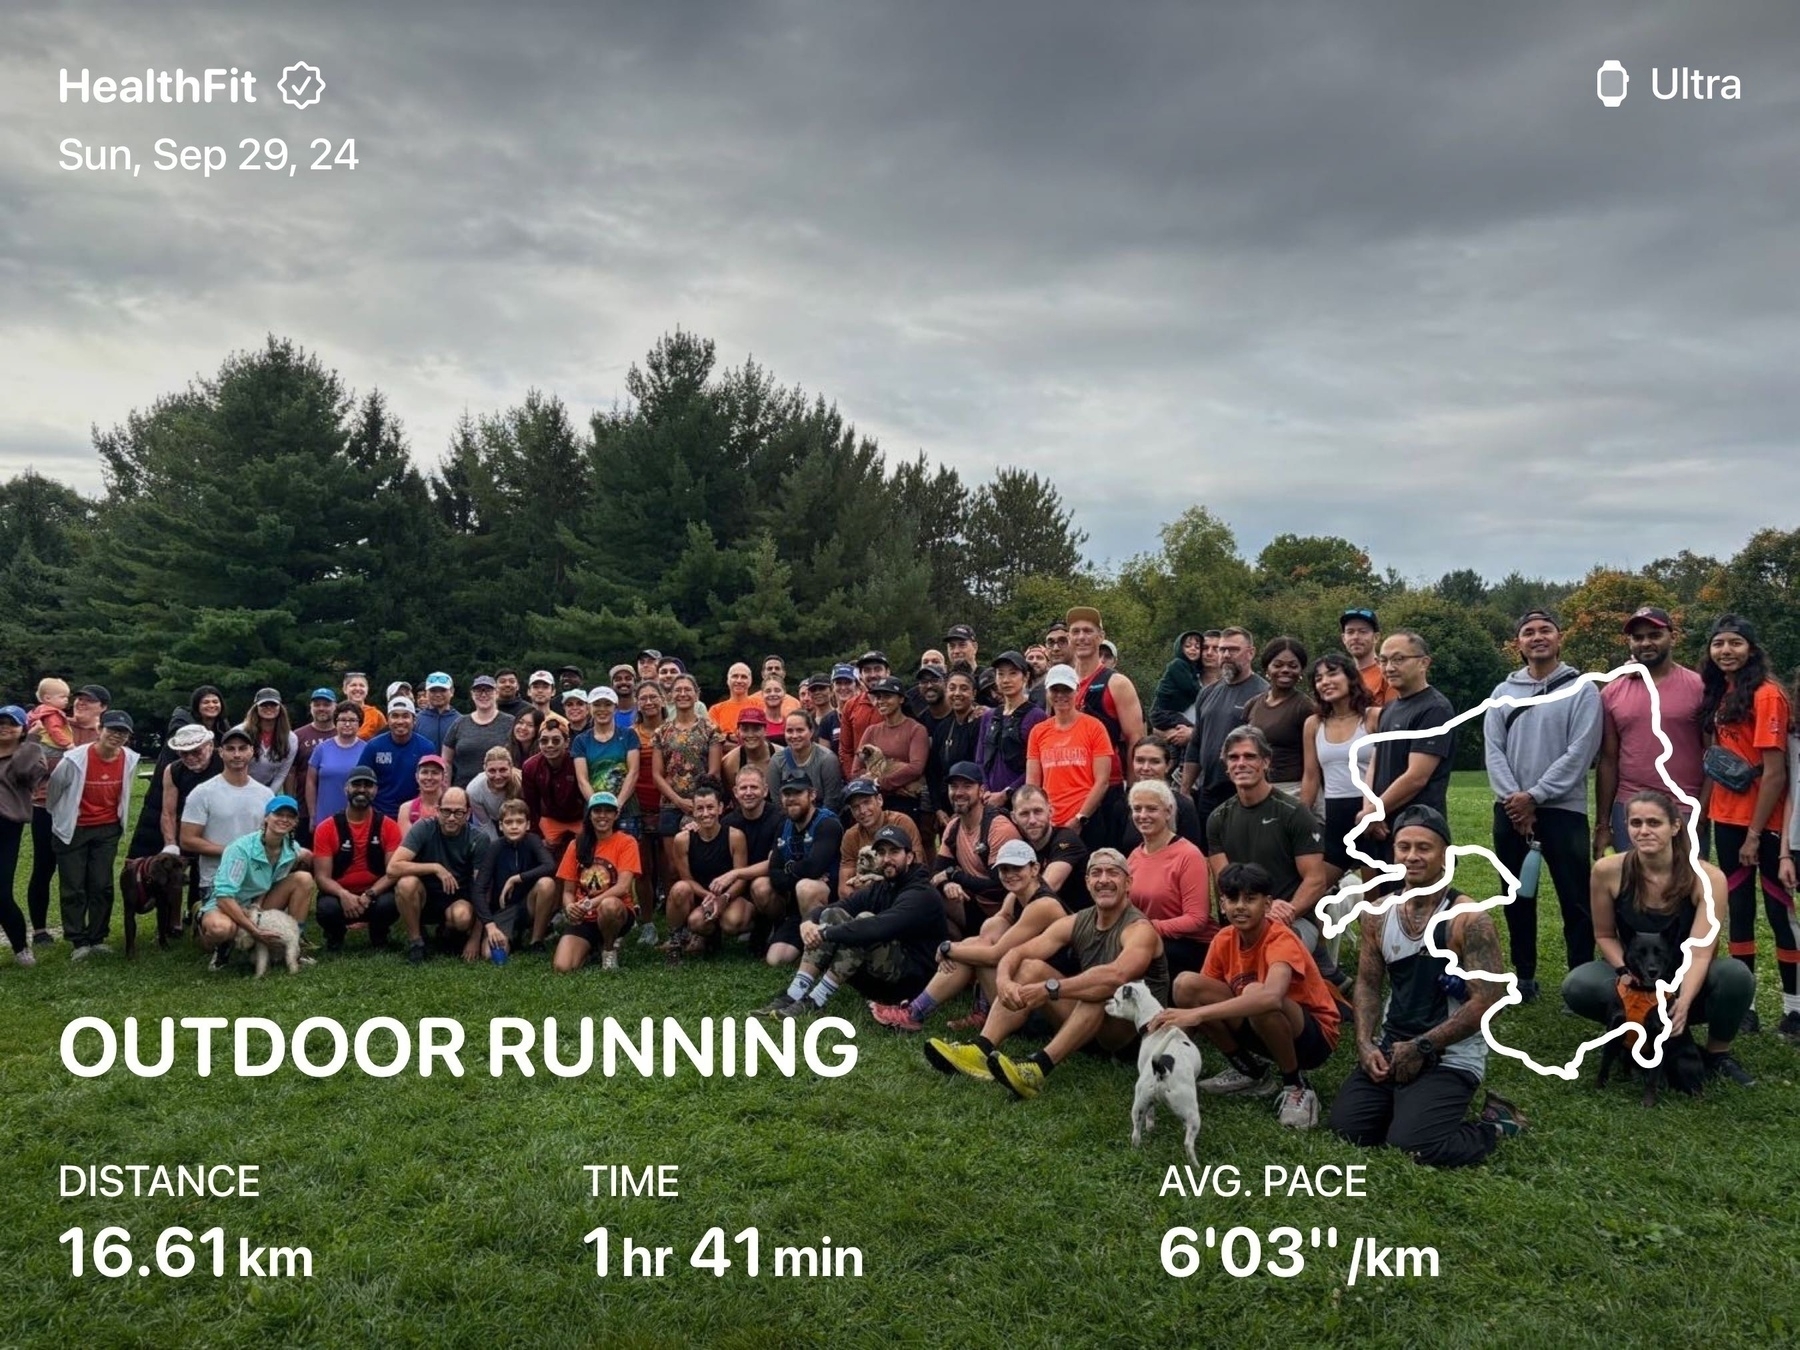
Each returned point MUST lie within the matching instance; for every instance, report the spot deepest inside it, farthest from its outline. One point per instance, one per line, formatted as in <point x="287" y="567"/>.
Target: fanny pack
<point x="1729" y="770"/>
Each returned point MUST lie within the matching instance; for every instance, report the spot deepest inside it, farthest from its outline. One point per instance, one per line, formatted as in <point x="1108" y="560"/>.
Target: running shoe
<point x="1233" y="1082"/>
<point x="1299" y="1108"/>
<point x="954" y="1057"/>
<point x="1024" y="1078"/>
<point x="896" y="1015"/>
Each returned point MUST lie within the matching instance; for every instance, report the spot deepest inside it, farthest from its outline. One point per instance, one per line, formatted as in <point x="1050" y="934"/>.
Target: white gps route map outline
<point x="1389" y="872"/>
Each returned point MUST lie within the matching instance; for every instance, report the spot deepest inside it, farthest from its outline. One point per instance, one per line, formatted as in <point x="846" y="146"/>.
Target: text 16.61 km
<point x="178" y="1253"/>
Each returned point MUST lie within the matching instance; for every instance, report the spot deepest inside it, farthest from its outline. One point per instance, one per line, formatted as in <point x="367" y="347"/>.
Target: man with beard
<point x="925" y="700"/>
<point x="1218" y="710"/>
<point x="1628" y="745"/>
<point x="1062" y="857"/>
<point x="507" y="697"/>
<point x="953" y="741"/>
<point x="974" y="834"/>
<point x="882" y="941"/>
<point x="1420" y="1052"/>
<point x="1537" y="761"/>
<point x="349" y="864"/>
<point x="856" y="708"/>
<point x="1361" y="634"/>
<point x="1112" y="944"/>
<point x="868" y="817"/>
<point x="798" y="878"/>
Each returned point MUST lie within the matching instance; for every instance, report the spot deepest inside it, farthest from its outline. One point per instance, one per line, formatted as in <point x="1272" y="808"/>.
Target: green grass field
<point x="451" y="1212"/>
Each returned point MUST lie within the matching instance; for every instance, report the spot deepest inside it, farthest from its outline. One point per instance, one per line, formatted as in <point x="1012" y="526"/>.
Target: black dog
<point x="152" y="885"/>
<point x="1651" y="957"/>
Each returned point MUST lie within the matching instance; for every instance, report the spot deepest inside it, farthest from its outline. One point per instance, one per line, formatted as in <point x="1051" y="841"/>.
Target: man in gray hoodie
<point x="1537" y="763"/>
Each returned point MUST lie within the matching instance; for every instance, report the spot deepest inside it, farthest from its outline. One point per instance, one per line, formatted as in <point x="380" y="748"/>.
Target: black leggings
<point x="11" y="920"/>
<point x="1563" y="837"/>
<point x="43" y="868"/>
<point x="1777" y="903"/>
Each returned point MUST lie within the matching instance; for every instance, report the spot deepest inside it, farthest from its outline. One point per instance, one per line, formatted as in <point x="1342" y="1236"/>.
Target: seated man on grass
<point x="1029" y="908"/>
<point x="700" y="911"/>
<point x="1111" y="944"/>
<point x="799" y="878"/>
<point x="1420" y="1051"/>
<point x="883" y="940"/>
<point x="257" y="871"/>
<point x="440" y="866"/>
<point x="1258" y="997"/>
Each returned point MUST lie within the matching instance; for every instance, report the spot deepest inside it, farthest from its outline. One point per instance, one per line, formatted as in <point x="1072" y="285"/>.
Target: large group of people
<point x="996" y="845"/>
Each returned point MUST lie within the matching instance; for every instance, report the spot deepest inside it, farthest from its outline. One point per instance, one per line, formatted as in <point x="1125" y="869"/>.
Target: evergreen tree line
<point x="267" y="526"/>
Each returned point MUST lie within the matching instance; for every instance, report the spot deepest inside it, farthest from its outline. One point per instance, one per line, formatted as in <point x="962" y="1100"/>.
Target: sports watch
<point x="1053" y="989"/>
<point x="1427" y="1049"/>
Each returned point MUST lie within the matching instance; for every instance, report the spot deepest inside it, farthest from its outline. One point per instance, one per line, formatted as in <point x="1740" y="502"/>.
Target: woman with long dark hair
<point x="207" y="707"/>
<point x="273" y="735"/>
<point x="1344" y="717"/>
<point x="522" y="740"/>
<point x="1745" y="716"/>
<point x="1654" y="887"/>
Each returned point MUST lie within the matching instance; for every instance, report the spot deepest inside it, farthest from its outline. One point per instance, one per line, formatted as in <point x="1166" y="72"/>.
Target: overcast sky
<point x="1385" y="270"/>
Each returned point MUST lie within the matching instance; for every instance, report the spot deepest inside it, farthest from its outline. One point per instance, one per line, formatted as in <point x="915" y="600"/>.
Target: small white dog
<point x="1169" y="1065"/>
<point x="272" y="921"/>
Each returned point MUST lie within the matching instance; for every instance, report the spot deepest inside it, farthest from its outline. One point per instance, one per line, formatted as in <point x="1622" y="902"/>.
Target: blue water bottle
<point x="497" y="955"/>
<point x="1531" y="871"/>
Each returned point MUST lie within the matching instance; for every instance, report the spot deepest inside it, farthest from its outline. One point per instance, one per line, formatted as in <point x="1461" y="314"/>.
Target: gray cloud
<point x="1387" y="271"/>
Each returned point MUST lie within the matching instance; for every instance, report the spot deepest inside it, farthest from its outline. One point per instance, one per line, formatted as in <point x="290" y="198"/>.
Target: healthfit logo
<point x="1612" y="82"/>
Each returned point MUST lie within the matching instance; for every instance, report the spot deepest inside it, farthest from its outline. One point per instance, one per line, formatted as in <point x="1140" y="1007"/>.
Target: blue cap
<point x="439" y="680"/>
<point x="843" y="672"/>
<point x="281" y="803"/>
<point x="861" y="787"/>
<point x="15" y="712"/>
<point x="603" y="799"/>
<point x="322" y="693"/>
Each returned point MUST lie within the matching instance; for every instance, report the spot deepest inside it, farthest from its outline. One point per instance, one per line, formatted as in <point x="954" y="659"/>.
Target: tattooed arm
<point x="1370" y="970"/>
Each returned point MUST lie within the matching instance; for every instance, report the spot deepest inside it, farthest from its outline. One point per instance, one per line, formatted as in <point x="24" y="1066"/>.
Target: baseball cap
<point x="843" y="672"/>
<point x="283" y="802"/>
<point x="577" y="695"/>
<point x="1650" y="614"/>
<point x="752" y="717"/>
<point x="541" y="677"/>
<point x="622" y="667"/>
<point x="569" y="670"/>
<point x="15" y="712"/>
<point x="650" y="652"/>
<point x="1056" y="626"/>
<point x="1014" y="659"/>
<point x="795" y="782"/>
<point x="960" y="633"/>
<point x="887" y="684"/>
<point x="484" y="682"/>
<point x="1061" y="677"/>
<point x="362" y="773"/>
<point x="185" y="739"/>
<point x="604" y="693"/>
<point x="893" y="834"/>
<point x="433" y="759"/>
<point x="603" y="799"/>
<point x="934" y="672"/>
<point x="861" y="787"/>
<point x="1734" y="623"/>
<point x="1015" y="853"/>
<point x="818" y="682"/>
<point x="1102" y="857"/>
<point x="1081" y="613"/>
<point x="439" y="680"/>
<point x="401" y="705"/>
<point x="1532" y="614"/>
<point x="871" y="657"/>
<point x="1361" y="613"/>
<point x="1427" y="817"/>
<point x="963" y="768"/>
<point x="97" y="692"/>
<point x="1110" y="647"/>
<point x="268" y="696"/>
<point x="117" y="721"/>
<point x="231" y="734"/>
<point x="323" y="695"/>
<point x="393" y="690"/>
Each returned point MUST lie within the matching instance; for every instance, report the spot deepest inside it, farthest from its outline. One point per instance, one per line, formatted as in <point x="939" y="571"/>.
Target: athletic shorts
<point x="668" y="821"/>
<point x="515" y="922"/>
<point x="590" y="932"/>
<point x="1311" y="1049"/>
<point x="437" y="902"/>
<point x="1340" y="819"/>
<point x="632" y="825"/>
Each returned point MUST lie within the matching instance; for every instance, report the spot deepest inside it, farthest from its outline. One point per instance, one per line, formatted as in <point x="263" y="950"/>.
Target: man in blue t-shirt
<point x="395" y="756"/>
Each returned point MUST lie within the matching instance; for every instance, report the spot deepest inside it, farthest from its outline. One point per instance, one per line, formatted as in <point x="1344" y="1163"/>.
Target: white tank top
<point x="1334" y="760"/>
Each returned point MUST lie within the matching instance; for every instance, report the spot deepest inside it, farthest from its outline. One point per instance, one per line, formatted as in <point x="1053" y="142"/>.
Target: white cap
<point x="604" y="693"/>
<point x="401" y="705"/>
<point x="396" y="686"/>
<point x="1015" y="853"/>
<point x="1061" y="677"/>
<point x="541" y="677"/>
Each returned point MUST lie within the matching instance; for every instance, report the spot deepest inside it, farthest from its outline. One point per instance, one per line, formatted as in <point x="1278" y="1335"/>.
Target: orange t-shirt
<point x="1766" y="729"/>
<point x="100" y="793"/>
<point x="616" y="853"/>
<point x="1230" y="962"/>
<point x="1066" y="759"/>
<point x="1380" y="691"/>
<point x="724" y="713"/>
<point x="373" y="724"/>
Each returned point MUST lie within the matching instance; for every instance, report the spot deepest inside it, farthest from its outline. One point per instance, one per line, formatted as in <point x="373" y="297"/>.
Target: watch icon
<point x="1622" y="83"/>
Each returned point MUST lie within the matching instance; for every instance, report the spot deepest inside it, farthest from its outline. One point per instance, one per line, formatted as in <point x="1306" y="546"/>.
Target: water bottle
<point x="1531" y="871"/>
<point x="497" y="955"/>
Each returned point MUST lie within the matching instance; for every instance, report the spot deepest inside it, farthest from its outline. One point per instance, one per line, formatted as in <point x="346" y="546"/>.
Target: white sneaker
<point x="24" y="957"/>
<point x="1298" y="1109"/>
<point x="80" y="953"/>
<point x="647" y="934"/>
<point x="1233" y="1081"/>
<point x="609" y="958"/>
<point x="100" y="949"/>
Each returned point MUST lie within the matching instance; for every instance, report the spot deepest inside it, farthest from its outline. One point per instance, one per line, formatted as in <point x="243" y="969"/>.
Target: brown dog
<point x="874" y="763"/>
<point x="152" y="885"/>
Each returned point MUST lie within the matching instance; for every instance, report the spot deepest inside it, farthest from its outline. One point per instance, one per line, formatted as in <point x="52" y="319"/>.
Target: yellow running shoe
<point x="1025" y="1079"/>
<point x="950" y="1057"/>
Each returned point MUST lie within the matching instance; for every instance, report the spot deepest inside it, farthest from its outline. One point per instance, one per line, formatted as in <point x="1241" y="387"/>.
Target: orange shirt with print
<point x="1766" y="729"/>
<point x="616" y="853"/>
<point x="1065" y="758"/>
<point x="1238" y="966"/>
<point x="1376" y="682"/>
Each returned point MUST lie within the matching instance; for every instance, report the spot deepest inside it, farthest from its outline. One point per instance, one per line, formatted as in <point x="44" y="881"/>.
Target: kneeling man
<point x="1110" y="944"/>
<point x="440" y="866"/>
<point x="257" y="871"/>
<point x="883" y="939"/>
<point x="1420" y="1054"/>
<point x="1259" y="997"/>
